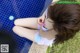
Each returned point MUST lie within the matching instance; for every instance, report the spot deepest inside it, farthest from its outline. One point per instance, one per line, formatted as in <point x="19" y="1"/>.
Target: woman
<point x="61" y="22"/>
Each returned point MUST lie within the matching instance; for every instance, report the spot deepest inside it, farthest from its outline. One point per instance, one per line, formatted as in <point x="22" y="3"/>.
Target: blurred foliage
<point x="68" y="2"/>
<point x="70" y="46"/>
<point x="71" y="0"/>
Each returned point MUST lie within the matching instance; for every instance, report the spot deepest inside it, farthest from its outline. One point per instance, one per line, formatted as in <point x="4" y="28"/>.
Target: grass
<point x="68" y="2"/>
<point x="70" y="46"/>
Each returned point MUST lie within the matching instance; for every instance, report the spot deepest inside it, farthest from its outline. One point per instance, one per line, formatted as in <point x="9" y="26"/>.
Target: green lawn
<point x="68" y="0"/>
<point x="70" y="46"/>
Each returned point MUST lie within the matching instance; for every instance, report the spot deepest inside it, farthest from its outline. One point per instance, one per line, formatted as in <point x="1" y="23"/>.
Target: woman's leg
<point x="27" y="22"/>
<point x="24" y="32"/>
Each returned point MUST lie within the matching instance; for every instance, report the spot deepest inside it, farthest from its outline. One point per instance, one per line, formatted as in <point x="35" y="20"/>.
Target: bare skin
<point x="32" y="23"/>
<point x="22" y="25"/>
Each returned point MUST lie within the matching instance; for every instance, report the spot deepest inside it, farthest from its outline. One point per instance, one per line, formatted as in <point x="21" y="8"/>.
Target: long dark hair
<point x="66" y="18"/>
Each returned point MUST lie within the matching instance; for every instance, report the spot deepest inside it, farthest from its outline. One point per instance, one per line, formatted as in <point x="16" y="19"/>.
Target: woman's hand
<point x="41" y="20"/>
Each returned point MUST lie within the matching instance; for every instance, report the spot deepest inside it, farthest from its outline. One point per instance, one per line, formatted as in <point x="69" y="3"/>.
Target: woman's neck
<point x="50" y="34"/>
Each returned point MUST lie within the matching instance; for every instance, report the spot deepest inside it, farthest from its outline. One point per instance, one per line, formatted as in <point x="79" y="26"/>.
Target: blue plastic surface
<point x="13" y="9"/>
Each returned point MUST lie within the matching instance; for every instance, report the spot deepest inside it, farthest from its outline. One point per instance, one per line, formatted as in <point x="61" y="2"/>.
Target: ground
<point x="70" y="46"/>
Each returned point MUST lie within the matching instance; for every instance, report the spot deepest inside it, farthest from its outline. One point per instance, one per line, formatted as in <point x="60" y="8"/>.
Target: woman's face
<point x="48" y="23"/>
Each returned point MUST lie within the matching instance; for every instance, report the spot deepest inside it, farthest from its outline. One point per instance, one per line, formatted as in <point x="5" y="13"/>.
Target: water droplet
<point x="11" y="18"/>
